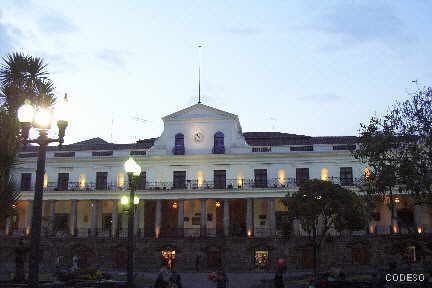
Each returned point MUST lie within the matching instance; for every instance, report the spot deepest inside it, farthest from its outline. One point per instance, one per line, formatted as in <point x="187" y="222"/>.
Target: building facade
<point x="203" y="177"/>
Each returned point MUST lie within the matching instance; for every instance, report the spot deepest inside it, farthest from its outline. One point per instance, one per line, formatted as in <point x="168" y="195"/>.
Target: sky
<point x="317" y="68"/>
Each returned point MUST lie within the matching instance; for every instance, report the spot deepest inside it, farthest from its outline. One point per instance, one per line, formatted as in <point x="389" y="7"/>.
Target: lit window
<point x="200" y="178"/>
<point x="169" y="257"/>
<point x="120" y="179"/>
<point x="261" y="258"/>
<point x="367" y="172"/>
<point x="45" y="181"/>
<point x="324" y="174"/>
<point x="281" y="177"/>
<point x="82" y="181"/>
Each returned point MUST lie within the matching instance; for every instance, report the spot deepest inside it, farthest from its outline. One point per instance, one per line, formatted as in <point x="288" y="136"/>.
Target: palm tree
<point x="22" y="77"/>
<point x="25" y="77"/>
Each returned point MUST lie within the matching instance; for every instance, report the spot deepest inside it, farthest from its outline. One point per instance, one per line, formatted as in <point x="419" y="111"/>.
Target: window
<point x="346" y="176"/>
<point x="141" y="183"/>
<point x="301" y="148"/>
<point x="27" y="155"/>
<point x="219" y="178"/>
<point x="64" y="154"/>
<point x="62" y="181"/>
<point x="261" y="258"/>
<point x="179" y="148"/>
<point x="367" y="173"/>
<point x="179" y="179"/>
<point x="219" y="145"/>
<point x="302" y="174"/>
<point x="344" y="147"/>
<point x="26" y="181"/>
<point x="102" y="153"/>
<point x="101" y="180"/>
<point x="261" y="149"/>
<point x="411" y="255"/>
<point x="260" y="178"/>
<point x="120" y="179"/>
<point x="324" y="174"/>
<point x="138" y="152"/>
<point x="82" y="181"/>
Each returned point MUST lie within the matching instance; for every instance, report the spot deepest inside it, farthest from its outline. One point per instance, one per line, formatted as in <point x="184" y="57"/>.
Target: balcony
<point x="235" y="184"/>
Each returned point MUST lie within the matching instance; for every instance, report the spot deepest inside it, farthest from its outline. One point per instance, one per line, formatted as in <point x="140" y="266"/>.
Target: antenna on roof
<point x="199" y="73"/>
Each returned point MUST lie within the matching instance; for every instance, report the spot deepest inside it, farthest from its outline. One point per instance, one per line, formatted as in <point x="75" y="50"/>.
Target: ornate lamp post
<point x="133" y="170"/>
<point x="40" y="118"/>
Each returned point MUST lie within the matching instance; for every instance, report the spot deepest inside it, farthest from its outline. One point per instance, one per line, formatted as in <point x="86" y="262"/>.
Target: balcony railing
<point x="275" y="183"/>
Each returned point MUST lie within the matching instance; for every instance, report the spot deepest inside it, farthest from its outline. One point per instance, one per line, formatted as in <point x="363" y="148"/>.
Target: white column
<point x="418" y="218"/>
<point x="249" y="219"/>
<point x="203" y="212"/>
<point x="93" y="216"/>
<point x="73" y="228"/>
<point x="158" y="218"/>
<point x="29" y="213"/>
<point x="226" y="218"/>
<point x="114" y="218"/>
<point x="271" y="216"/>
<point x="180" y="218"/>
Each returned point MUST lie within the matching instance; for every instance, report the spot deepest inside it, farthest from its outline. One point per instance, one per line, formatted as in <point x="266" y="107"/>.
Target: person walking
<point x="163" y="279"/>
<point x="278" y="280"/>
<point x="221" y="279"/>
<point x="175" y="280"/>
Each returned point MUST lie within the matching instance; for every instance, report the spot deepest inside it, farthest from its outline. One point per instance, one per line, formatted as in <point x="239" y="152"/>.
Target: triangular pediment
<point x="200" y="111"/>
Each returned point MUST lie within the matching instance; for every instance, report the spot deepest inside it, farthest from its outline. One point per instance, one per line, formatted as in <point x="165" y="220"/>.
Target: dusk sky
<point x="316" y="68"/>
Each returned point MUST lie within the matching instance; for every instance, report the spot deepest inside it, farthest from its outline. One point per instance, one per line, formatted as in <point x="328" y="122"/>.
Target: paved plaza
<point x="236" y="280"/>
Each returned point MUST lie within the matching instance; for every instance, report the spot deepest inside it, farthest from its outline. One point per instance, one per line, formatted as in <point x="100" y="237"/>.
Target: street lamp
<point x="40" y="118"/>
<point x="133" y="170"/>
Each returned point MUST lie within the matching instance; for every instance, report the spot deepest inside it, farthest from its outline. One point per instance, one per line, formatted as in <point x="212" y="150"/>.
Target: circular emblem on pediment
<point x="198" y="136"/>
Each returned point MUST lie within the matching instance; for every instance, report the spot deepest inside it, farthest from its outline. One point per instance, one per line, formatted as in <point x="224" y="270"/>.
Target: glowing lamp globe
<point x="132" y="167"/>
<point x="43" y="118"/>
<point x="136" y="200"/>
<point x="124" y="200"/>
<point x="26" y="112"/>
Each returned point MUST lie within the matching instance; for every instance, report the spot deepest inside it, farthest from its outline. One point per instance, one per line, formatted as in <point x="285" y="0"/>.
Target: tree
<point x="378" y="148"/>
<point x="321" y="206"/>
<point x="22" y="77"/>
<point x="398" y="148"/>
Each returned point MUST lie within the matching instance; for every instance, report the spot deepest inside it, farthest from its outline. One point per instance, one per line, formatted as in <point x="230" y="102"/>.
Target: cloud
<point x="111" y="57"/>
<point x="360" y="22"/>
<point x="56" y="24"/>
<point x="243" y="30"/>
<point x="326" y="97"/>
<point x="8" y="37"/>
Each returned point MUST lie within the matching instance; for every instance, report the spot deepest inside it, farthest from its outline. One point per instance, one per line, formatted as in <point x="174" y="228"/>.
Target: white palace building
<point x="203" y="177"/>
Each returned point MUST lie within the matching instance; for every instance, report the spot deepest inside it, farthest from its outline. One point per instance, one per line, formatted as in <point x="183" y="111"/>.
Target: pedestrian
<point x="221" y="278"/>
<point x="20" y="253"/>
<point x="163" y="278"/>
<point x="278" y="280"/>
<point x="197" y="263"/>
<point x="175" y="280"/>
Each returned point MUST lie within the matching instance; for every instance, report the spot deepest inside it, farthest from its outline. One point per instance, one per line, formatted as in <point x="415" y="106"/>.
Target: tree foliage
<point x="321" y="206"/>
<point x="22" y="77"/>
<point x="398" y="149"/>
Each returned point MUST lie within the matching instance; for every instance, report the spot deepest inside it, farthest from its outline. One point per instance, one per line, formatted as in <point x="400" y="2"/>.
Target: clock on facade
<point x="198" y="136"/>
